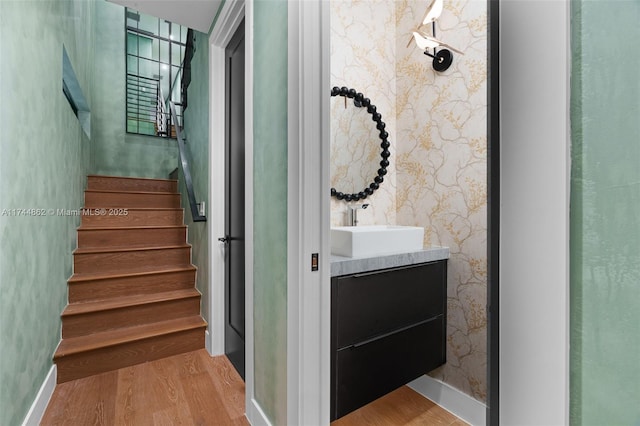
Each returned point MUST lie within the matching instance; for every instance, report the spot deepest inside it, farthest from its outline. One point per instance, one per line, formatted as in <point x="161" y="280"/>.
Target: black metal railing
<point x="186" y="171"/>
<point x="147" y="109"/>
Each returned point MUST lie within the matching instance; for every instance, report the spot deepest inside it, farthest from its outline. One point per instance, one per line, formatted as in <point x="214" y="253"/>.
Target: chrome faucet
<point x="352" y="213"/>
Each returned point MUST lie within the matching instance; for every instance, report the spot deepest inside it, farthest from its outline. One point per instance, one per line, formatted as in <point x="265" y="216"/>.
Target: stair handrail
<point x="186" y="172"/>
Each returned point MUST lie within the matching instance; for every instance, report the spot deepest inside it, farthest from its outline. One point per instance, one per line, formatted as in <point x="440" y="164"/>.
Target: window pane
<point x="148" y="23"/>
<point x="132" y="43"/>
<point x="132" y="126"/>
<point x="164" y="52"/>
<point x="155" y="49"/>
<point x="164" y="28"/>
<point x="176" y="58"/>
<point x="175" y="76"/>
<point x="148" y="68"/>
<point x="183" y="34"/>
<point x="132" y="18"/>
<point x="145" y="47"/>
<point x="132" y="65"/>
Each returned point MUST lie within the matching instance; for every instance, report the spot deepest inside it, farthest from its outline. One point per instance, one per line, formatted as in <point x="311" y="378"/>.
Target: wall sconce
<point x="442" y="58"/>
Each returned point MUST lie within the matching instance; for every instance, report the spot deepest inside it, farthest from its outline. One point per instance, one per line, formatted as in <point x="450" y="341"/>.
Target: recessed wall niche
<point x="437" y="173"/>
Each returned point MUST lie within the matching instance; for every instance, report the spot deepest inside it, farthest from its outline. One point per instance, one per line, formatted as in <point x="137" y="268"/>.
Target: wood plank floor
<point x="401" y="407"/>
<point x="196" y="389"/>
<point x="186" y="389"/>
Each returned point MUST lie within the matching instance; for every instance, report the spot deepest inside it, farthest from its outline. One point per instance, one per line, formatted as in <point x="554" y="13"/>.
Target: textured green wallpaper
<point x="196" y="122"/>
<point x="115" y="151"/>
<point x="270" y="207"/>
<point x="605" y="213"/>
<point x="44" y="158"/>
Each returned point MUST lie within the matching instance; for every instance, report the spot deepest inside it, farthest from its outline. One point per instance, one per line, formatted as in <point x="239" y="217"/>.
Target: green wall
<point x="270" y="207"/>
<point x="605" y="213"/>
<point x="44" y="159"/>
<point x="196" y="122"/>
<point x="115" y="151"/>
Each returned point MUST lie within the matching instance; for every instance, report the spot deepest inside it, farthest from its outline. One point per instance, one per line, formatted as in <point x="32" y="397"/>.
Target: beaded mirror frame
<point x="360" y="101"/>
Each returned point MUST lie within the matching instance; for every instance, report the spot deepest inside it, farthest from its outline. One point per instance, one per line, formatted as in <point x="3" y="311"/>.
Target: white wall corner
<point x="34" y="416"/>
<point x="308" y="291"/>
<point x="451" y="399"/>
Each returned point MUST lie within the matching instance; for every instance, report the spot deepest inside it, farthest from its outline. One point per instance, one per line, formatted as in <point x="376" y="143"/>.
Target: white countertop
<point x="341" y="265"/>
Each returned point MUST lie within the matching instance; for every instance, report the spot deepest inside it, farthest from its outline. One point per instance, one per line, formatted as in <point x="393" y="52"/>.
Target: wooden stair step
<point x="125" y="199"/>
<point x="132" y="236"/>
<point x="103" y="285"/>
<point x="136" y="216"/>
<point x="121" y="183"/>
<point x="93" y="306"/>
<point x="84" y="356"/>
<point x="120" y="336"/>
<point x="85" y="318"/>
<point x="129" y="259"/>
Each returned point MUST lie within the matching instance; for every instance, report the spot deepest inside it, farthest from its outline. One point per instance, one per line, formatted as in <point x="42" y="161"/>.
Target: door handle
<point x="226" y="238"/>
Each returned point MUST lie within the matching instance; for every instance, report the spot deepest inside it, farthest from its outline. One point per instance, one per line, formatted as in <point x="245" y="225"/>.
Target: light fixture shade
<point x="433" y="12"/>
<point x="425" y="42"/>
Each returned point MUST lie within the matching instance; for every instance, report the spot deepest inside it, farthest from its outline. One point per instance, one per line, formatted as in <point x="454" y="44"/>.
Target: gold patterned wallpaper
<point x="439" y="147"/>
<point x="363" y="57"/>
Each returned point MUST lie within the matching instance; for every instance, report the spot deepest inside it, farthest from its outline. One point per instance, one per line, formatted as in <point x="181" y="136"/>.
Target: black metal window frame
<point x="131" y="77"/>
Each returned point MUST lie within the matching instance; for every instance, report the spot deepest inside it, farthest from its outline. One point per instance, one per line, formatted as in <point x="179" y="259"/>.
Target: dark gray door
<point x="234" y="222"/>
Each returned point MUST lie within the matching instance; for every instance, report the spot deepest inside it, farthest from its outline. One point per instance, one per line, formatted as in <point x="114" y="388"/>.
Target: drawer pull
<point x="382" y="336"/>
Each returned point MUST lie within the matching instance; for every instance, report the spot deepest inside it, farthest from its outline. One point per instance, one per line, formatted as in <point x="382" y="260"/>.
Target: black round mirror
<point x="360" y="101"/>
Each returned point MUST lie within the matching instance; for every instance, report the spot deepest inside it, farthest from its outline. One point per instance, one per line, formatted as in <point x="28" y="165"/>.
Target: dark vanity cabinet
<point x="388" y="327"/>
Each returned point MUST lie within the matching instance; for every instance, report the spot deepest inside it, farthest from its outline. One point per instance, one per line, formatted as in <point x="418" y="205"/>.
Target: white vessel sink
<point x="365" y="241"/>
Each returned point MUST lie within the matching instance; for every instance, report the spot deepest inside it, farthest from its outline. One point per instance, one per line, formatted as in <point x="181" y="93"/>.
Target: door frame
<point x="233" y="336"/>
<point x="229" y="18"/>
<point x="308" y="205"/>
<point x="230" y="15"/>
<point x="308" y="211"/>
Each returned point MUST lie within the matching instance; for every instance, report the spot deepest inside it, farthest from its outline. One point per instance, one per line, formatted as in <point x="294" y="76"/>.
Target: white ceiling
<point x="196" y="14"/>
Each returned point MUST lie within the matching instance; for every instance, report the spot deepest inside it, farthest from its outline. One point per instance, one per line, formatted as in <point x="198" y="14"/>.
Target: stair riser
<point x="107" y="359"/>
<point x="131" y="237"/>
<point x="128" y="184"/>
<point x="136" y="218"/>
<point x="130" y="260"/>
<point x="130" y="200"/>
<point x="130" y="286"/>
<point x="95" y="322"/>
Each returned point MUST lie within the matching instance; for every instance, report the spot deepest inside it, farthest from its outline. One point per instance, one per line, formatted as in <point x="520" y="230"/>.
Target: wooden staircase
<point x="132" y="296"/>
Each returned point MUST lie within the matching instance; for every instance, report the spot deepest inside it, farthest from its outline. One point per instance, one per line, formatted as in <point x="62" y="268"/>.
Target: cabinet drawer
<point x="370" y="304"/>
<point x="368" y="371"/>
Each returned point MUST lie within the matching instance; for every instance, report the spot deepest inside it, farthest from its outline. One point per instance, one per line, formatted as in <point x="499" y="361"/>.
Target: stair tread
<point x="101" y="227"/>
<point x="117" y="191"/>
<point x="75" y="345"/>
<point x="96" y="250"/>
<point x="122" y="302"/>
<point x="133" y="178"/>
<point x="89" y="276"/>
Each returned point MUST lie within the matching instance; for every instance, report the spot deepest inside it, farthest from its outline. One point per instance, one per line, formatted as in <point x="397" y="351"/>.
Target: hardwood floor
<point x="196" y="389"/>
<point x="185" y="389"/>
<point x="401" y="407"/>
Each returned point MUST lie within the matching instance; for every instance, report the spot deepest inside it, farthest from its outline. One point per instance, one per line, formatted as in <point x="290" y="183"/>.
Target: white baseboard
<point x="256" y="416"/>
<point x="207" y="342"/>
<point x="34" y="416"/>
<point x="451" y="399"/>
